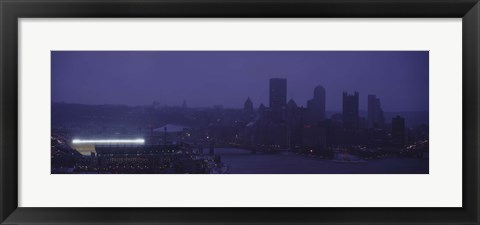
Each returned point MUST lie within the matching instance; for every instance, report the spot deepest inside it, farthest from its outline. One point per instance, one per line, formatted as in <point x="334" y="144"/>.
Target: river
<point x="241" y="161"/>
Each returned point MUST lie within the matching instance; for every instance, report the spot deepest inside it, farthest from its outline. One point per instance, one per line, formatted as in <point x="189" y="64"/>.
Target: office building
<point x="248" y="106"/>
<point x="278" y="93"/>
<point x="350" y="112"/>
<point x="278" y="98"/>
<point x="316" y="106"/>
<point x="375" y="112"/>
<point x="398" y="131"/>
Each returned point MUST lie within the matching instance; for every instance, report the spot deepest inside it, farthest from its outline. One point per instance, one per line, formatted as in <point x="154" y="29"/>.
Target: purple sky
<point x="207" y="78"/>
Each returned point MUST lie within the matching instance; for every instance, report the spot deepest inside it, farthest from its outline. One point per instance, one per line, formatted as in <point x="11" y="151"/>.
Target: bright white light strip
<point x="113" y="141"/>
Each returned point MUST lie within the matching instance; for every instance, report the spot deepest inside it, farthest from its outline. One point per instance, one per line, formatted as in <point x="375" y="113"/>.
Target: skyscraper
<point x="278" y="93"/>
<point x="350" y="111"/>
<point x="278" y="98"/>
<point x="398" y="131"/>
<point x="375" y="112"/>
<point x="316" y="106"/>
<point x="248" y="108"/>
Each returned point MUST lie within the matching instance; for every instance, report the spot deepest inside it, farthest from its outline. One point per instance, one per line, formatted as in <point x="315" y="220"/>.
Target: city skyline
<point x="86" y="78"/>
<point x="259" y="123"/>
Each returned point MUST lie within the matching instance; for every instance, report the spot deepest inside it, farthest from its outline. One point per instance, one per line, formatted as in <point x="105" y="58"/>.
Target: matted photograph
<point x="239" y="112"/>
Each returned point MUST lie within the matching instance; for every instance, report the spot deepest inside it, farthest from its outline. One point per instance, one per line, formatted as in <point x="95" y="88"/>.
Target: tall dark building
<point x="294" y="122"/>
<point x="262" y="110"/>
<point x="248" y="106"/>
<point x="248" y="112"/>
<point x="278" y="98"/>
<point x="375" y="112"/>
<point x="398" y="131"/>
<point x="350" y="115"/>
<point x="278" y="93"/>
<point x="316" y="106"/>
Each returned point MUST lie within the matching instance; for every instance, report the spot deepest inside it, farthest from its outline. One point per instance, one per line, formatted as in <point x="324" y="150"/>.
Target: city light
<point x="111" y="141"/>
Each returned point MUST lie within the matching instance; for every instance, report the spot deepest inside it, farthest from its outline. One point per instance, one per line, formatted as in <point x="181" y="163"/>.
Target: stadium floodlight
<point x="109" y="141"/>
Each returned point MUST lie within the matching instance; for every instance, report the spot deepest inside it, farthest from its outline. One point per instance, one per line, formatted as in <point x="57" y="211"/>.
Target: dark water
<point x="241" y="161"/>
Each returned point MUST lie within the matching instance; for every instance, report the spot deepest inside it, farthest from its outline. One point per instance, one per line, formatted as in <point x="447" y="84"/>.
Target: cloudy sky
<point x="206" y="78"/>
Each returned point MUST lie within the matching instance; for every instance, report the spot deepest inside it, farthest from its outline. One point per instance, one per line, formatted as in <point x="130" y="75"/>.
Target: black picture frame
<point x="12" y="10"/>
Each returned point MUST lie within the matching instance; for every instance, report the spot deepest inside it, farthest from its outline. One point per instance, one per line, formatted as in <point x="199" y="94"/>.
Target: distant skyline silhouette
<point x="206" y="78"/>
